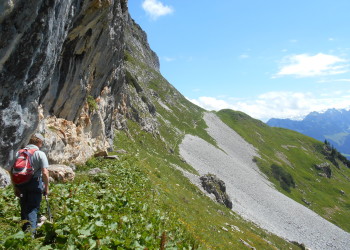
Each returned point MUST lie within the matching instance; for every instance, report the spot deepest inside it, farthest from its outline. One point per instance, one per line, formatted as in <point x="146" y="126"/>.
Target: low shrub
<point x="286" y="179"/>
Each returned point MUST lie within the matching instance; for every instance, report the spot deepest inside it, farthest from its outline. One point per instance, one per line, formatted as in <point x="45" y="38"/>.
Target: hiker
<point x="30" y="192"/>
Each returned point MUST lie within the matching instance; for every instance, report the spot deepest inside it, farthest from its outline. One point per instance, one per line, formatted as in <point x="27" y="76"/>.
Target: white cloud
<point x="304" y="65"/>
<point x="244" y="56"/>
<point x="277" y="104"/>
<point x="169" y="59"/>
<point x="156" y="9"/>
<point x="210" y="103"/>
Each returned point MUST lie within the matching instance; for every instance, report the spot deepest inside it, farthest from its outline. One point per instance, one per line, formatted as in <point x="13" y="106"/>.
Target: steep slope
<point x="291" y="161"/>
<point x="253" y="196"/>
<point x="91" y="83"/>
<point x="332" y="125"/>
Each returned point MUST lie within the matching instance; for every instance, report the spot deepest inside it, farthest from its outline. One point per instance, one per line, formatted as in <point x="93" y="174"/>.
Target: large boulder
<point x="61" y="173"/>
<point x="214" y="185"/>
<point x="5" y="179"/>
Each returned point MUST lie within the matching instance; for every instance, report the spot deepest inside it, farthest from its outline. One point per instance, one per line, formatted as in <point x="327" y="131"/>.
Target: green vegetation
<point x="333" y="155"/>
<point x="115" y="209"/>
<point x="91" y="103"/>
<point x="205" y="220"/>
<point x="286" y="179"/>
<point x="297" y="155"/>
<point x="132" y="81"/>
<point x="139" y="201"/>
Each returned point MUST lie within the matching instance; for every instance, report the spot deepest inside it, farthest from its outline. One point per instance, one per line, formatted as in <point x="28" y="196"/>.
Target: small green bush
<point x="92" y="103"/>
<point x="286" y="179"/>
<point x="132" y="81"/>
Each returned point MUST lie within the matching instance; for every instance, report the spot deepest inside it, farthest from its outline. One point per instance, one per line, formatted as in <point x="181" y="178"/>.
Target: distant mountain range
<point x="332" y="125"/>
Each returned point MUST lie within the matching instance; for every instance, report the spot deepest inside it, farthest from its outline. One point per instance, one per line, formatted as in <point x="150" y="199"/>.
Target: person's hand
<point x="46" y="190"/>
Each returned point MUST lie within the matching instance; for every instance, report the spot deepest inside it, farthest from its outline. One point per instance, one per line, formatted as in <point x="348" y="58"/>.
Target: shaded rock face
<point x="54" y="57"/>
<point x="214" y="185"/>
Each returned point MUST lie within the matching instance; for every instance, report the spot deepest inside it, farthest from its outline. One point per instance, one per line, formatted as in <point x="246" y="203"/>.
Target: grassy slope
<point x="297" y="154"/>
<point x="203" y="218"/>
<point x="131" y="204"/>
<point x="114" y="209"/>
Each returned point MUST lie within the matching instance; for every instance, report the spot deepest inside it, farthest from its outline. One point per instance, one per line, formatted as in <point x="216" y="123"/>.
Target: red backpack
<point x="22" y="170"/>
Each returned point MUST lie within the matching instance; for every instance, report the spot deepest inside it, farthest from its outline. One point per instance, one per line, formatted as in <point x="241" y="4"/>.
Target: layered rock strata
<point x="62" y="73"/>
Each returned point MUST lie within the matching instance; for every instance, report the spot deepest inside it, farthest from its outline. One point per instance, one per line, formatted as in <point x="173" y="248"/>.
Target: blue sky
<point x="269" y="58"/>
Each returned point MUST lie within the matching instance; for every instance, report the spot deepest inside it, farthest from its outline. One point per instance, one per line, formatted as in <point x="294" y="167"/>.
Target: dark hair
<point x="35" y="140"/>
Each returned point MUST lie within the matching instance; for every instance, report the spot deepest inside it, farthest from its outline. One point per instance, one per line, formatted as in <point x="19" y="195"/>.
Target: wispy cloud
<point x="156" y="9"/>
<point x="244" y="56"/>
<point x="304" y="65"/>
<point x="333" y="80"/>
<point x="169" y="59"/>
<point x="277" y="104"/>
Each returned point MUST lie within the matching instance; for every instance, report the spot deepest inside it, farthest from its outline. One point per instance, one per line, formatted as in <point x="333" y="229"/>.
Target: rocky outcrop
<point x="62" y="74"/>
<point x="5" y="179"/>
<point x="61" y="173"/>
<point x="325" y="168"/>
<point x="214" y="185"/>
<point x="75" y="71"/>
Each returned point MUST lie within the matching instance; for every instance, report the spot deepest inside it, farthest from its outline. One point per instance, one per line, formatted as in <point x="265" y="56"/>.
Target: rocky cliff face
<point x="62" y="73"/>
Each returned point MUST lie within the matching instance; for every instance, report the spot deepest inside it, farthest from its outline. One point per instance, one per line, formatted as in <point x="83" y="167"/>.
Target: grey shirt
<point x="39" y="160"/>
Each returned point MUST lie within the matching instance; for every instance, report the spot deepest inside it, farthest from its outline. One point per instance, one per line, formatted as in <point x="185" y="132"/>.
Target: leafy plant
<point x="286" y="179"/>
<point x="92" y="103"/>
<point x="114" y="209"/>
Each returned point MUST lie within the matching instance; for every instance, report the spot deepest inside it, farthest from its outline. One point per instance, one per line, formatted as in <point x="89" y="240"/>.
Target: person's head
<point x="37" y="140"/>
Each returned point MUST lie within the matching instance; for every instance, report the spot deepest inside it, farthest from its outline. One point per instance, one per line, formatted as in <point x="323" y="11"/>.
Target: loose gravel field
<point x="253" y="196"/>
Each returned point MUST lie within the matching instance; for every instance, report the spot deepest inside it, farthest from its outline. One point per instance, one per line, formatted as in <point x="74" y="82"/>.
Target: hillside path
<point x="253" y="196"/>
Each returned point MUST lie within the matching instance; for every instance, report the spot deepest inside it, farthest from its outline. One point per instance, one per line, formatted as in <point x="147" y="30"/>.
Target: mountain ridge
<point x="332" y="125"/>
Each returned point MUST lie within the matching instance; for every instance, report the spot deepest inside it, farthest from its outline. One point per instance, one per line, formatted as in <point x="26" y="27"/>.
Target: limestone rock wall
<point x="61" y="74"/>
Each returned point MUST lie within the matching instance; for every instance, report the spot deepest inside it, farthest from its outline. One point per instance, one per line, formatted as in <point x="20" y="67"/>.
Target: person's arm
<point x="45" y="174"/>
<point x="44" y="171"/>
